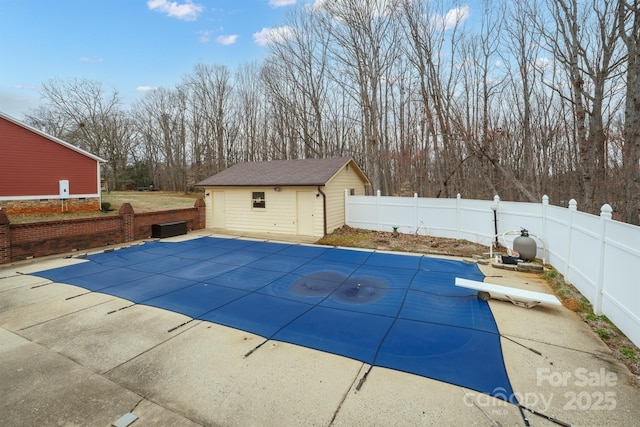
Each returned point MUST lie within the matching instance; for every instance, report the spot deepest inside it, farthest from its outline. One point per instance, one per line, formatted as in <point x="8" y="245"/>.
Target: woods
<point x="530" y="98"/>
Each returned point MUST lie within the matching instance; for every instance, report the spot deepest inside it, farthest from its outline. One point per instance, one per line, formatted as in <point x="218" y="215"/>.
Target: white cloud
<point x="318" y="5"/>
<point x="91" y="60"/>
<point x="26" y="87"/>
<point x="227" y="39"/>
<point x="543" y="63"/>
<point x="272" y="35"/>
<point x="205" y="36"/>
<point x="378" y="7"/>
<point x="146" y="88"/>
<point x="453" y="17"/>
<point x="187" y="11"/>
<point x="281" y="3"/>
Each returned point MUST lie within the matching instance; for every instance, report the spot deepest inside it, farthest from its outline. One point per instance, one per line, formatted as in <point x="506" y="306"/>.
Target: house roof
<point x="51" y="138"/>
<point x="283" y="173"/>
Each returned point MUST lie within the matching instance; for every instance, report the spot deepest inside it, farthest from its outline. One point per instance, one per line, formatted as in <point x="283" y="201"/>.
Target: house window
<point x="257" y="200"/>
<point x="352" y="191"/>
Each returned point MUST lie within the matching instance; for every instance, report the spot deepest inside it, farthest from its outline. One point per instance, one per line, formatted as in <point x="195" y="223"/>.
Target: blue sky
<point x="127" y="45"/>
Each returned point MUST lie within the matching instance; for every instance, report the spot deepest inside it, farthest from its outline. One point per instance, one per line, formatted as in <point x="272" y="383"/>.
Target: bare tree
<point x="629" y="20"/>
<point x="584" y="39"/>
<point x="209" y="93"/>
<point x="82" y="113"/>
<point x="433" y="36"/>
<point x="297" y="75"/>
<point x="161" y="123"/>
<point x="364" y="37"/>
<point x="250" y="114"/>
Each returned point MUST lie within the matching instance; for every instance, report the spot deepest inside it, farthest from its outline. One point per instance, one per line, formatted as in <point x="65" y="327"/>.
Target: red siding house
<point x="41" y="173"/>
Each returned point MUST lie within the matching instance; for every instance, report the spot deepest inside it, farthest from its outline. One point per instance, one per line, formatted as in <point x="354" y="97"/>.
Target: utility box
<point x="168" y="229"/>
<point x="64" y="188"/>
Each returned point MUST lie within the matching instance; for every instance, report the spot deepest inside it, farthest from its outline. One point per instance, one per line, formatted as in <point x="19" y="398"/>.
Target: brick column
<point x="128" y="229"/>
<point x="202" y="213"/>
<point x="5" y="239"/>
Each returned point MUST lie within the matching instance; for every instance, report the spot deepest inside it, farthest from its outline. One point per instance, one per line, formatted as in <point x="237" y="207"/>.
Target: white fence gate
<point x="599" y="256"/>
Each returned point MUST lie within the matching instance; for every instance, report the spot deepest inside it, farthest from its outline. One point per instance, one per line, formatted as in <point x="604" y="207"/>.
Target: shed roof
<point x="51" y="137"/>
<point x="283" y="172"/>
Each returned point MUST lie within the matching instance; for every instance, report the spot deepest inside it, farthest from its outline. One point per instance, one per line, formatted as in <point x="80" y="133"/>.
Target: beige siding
<point x="279" y="215"/>
<point x="346" y="178"/>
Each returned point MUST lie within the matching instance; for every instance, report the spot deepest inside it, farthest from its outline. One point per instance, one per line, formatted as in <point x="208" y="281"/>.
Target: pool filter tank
<point x="525" y="246"/>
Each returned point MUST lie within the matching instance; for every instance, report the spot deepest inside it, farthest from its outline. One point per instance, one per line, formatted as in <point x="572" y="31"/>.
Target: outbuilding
<point x="297" y="197"/>
<point x="41" y="173"/>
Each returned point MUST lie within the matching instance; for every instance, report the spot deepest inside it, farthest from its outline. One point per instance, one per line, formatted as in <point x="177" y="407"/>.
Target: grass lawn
<point x="150" y="201"/>
<point x="141" y="201"/>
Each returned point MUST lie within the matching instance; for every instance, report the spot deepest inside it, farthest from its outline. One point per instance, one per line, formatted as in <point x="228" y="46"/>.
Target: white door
<point x="305" y="207"/>
<point x="218" y="209"/>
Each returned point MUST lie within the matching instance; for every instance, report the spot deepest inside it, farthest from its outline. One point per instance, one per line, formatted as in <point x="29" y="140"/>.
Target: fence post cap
<point x="605" y="211"/>
<point x="573" y="205"/>
<point x="545" y="200"/>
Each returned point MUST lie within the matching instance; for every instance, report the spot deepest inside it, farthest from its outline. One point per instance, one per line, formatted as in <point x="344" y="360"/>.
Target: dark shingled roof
<point x="281" y="172"/>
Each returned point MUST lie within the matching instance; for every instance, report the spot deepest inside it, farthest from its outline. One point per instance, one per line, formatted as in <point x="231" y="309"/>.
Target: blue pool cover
<point x="396" y="311"/>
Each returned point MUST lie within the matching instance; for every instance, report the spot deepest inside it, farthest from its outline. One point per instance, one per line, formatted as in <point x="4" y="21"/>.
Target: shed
<point x="41" y="173"/>
<point x="297" y="197"/>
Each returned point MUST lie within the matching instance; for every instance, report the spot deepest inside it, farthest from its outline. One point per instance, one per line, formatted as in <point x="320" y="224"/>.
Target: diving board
<point x="519" y="297"/>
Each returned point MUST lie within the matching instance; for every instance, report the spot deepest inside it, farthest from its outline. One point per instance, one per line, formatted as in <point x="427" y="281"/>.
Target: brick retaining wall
<point x="89" y="204"/>
<point x="37" y="239"/>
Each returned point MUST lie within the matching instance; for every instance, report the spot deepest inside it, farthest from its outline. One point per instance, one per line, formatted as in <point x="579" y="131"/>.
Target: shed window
<point x="257" y="200"/>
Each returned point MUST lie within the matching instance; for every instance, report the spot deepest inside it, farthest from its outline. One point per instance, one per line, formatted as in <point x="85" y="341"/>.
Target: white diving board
<point x="519" y="297"/>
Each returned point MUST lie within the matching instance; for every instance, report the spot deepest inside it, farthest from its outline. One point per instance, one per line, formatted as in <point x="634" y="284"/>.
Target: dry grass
<point x="150" y="201"/>
<point x="141" y="201"/>
<point x="621" y="346"/>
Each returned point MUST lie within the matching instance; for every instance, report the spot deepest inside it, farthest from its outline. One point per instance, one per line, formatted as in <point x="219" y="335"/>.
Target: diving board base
<point x="519" y="297"/>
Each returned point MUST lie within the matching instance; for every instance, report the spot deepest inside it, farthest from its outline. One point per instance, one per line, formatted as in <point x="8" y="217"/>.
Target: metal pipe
<point x="324" y="209"/>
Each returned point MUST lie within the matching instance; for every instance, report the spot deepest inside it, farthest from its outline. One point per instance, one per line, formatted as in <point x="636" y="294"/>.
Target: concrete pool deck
<point x="72" y="357"/>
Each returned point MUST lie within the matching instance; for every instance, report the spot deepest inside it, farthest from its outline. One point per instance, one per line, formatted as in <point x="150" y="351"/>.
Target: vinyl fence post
<point x="378" y="195"/>
<point x="573" y="207"/>
<point x="458" y="216"/>
<point x="415" y="212"/>
<point x="545" y="204"/>
<point x="605" y="217"/>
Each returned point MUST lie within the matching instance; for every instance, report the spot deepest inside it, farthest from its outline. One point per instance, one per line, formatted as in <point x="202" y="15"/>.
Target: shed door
<point x="218" y="210"/>
<point x="305" y="205"/>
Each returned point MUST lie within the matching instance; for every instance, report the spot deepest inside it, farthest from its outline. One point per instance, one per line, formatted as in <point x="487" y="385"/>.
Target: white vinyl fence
<point x="598" y="255"/>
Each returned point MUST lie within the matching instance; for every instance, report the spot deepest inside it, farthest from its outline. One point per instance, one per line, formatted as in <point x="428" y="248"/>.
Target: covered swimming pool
<point x="401" y="312"/>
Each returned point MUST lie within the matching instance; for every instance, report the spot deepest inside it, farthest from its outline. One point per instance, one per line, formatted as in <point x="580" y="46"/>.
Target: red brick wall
<point x="55" y="237"/>
<point x="144" y="221"/>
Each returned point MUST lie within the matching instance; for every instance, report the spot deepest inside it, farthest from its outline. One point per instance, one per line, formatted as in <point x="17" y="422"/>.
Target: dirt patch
<point x="380" y="240"/>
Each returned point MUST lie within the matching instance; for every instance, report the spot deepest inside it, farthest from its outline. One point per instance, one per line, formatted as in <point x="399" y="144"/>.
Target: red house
<point x="41" y="173"/>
